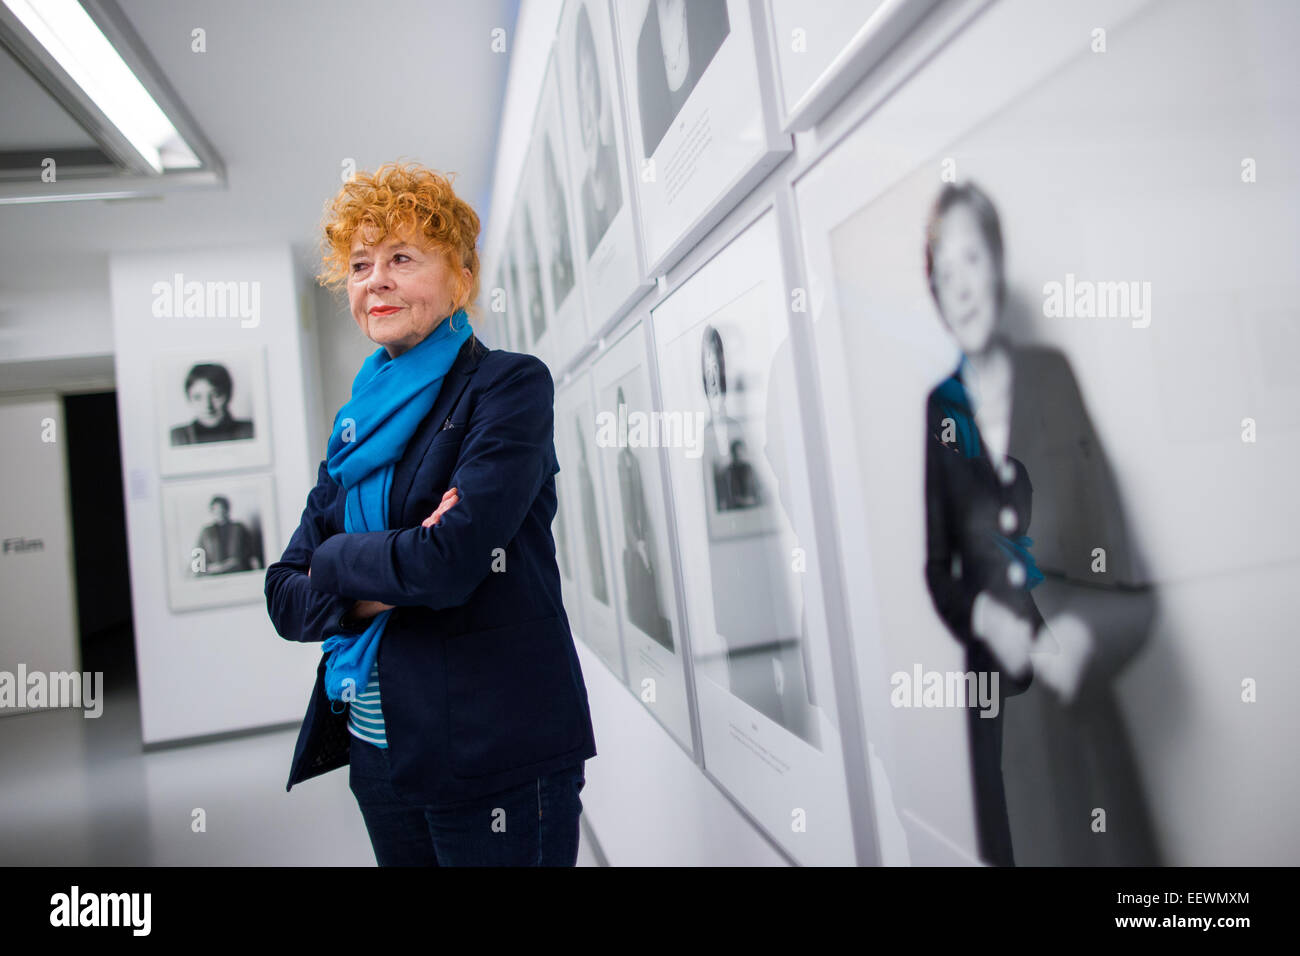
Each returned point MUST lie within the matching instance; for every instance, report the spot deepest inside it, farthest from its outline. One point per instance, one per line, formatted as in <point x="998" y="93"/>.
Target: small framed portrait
<point x="738" y="501"/>
<point x="219" y="533"/>
<point x="700" y="116"/>
<point x="212" y="410"/>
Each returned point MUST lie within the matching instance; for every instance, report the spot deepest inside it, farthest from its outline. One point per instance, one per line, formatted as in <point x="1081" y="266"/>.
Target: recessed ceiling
<point x="287" y="93"/>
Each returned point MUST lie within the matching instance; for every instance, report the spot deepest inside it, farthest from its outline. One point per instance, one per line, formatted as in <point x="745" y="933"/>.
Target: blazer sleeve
<point x="506" y="456"/>
<point x="299" y="612"/>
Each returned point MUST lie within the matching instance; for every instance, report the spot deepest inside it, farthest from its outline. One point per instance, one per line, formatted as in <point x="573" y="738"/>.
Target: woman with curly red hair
<point x="424" y="562"/>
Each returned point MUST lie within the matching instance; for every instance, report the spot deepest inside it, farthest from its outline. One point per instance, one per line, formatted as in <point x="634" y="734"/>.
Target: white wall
<point x="37" y="593"/>
<point x="221" y="669"/>
<point x="57" y="314"/>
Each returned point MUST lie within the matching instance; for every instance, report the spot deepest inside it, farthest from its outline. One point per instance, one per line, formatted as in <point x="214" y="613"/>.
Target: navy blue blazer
<point x="479" y="679"/>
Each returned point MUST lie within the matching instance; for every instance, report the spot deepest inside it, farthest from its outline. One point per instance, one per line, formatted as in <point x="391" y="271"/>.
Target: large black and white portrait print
<point x="581" y="486"/>
<point x="595" y="141"/>
<point x="1028" y="399"/>
<point x="746" y="539"/>
<point x="628" y="442"/>
<point x="700" y="118"/>
<point x="676" y="43"/>
<point x="217" y="539"/>
<point x="212" y="410"/>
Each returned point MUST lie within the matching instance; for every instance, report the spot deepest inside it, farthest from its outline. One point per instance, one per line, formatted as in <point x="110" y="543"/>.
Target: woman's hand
<point x="448" y="501"/>
<point x="364" y="611"/>
<point x="1008" y="635"/>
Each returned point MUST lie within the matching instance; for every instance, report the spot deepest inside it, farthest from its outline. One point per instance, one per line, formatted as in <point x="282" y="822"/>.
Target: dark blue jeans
<point x="533" y="824"/>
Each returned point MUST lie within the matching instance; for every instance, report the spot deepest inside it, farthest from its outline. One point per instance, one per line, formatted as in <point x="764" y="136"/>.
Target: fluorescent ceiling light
<point x="71" y="37"/>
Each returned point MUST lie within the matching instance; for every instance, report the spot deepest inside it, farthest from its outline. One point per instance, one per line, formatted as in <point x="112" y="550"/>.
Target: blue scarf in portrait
<point x="955" y="404"/>
<point x="390" y="398"/>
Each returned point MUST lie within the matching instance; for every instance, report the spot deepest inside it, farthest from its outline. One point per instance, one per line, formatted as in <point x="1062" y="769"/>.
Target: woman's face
<point x="712" y="377"/>
<point x="400" y="290"/>
<point x="207" y="404"/>
<point x="965" y="280"/>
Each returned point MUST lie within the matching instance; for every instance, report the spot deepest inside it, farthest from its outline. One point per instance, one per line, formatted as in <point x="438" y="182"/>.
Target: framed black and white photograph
<point x="822" y="50"/>
<point x="219" y="533"/>
<point x="747" y="544"/>
<point x="596" y="143"/>
<point x="524" y="307"/>
<point x="701" y="124"/>
<point x="629" y="435"/>
<point x="499" y="305"/>
<point x="1030" y="343"/>
<point x="549" y="227"/>
<point x="212" y="410"/>
<point x="582" y="486"/>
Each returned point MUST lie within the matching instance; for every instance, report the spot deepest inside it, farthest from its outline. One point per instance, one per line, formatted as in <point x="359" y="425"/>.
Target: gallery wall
<point x="209" y="660"/>
<point x="37" y="584"/>
<point x="764" y="221"/>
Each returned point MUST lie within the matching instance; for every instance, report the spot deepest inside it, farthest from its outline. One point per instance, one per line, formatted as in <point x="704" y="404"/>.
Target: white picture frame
<point x="758" y="629"/>
<point x="210" y="566"/>
<point x="197" y="428"/>
<point x="701" y="135"/>
<point x="548" y="210"/>
<point x="588" y="531"/>
<point x="822" y="50"/>
<point x="600" y="177"/>
<point x="628" y="452"/>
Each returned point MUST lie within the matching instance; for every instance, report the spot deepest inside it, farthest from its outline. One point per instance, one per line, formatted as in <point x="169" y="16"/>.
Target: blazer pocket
<point x="511" y="697"/>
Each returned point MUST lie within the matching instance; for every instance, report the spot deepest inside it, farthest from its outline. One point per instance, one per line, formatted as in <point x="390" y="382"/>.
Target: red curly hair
<point x="395" y="199"/>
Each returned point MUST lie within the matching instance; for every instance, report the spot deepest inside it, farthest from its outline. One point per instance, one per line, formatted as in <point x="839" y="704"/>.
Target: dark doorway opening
<point x="99" y="538"/>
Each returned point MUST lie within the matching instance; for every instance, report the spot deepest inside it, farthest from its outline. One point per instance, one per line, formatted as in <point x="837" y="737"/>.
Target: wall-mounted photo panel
<point x="596" y="143"/>
<point x="220" y="533"/>
<point x="585" y="527"/>
<point x="496" y="308"/>
<point x="629" y="434"/>
<point x="1042" y="316"/>
<point x="749" y="554"/>
<point x="701" y="129"/>
<point x="212" y="410"/>
<point x="525" y="309"/>
<point x="549" y="225"/>
<point x="822" y="50"/>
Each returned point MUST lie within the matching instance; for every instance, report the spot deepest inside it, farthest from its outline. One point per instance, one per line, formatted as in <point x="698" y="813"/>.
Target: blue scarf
<point x="390" y="398"/>
<point x="955" y="404"/>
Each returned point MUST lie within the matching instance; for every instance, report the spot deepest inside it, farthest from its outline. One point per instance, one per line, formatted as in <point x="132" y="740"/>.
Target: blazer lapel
<point x="453" y="386"/>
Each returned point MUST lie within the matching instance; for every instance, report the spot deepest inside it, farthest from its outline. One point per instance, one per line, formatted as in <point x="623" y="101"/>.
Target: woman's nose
<point x="379" y="278"/>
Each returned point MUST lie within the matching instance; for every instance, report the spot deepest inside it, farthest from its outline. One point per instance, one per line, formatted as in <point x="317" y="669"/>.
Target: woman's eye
<point x="357" y="266"/>
<point x="400" y="255"/>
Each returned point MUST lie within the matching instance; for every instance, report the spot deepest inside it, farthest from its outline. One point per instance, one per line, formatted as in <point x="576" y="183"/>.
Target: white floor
<point x="81" y="792"/>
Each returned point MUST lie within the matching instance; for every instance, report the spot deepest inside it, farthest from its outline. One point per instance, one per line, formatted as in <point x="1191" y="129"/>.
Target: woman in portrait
<point x="557" y="219"/>
<point x="228" y="546"/>
<point x="642" y="588"/>
<point x="424" y="562"/>
<point x="207" y="389"/>
<point x="1008" y="437"/>
<point x="601" y="193"/>
<point x="590" y="524"/>
<point x="533" y="277"/>
<point x="678" y="41"/>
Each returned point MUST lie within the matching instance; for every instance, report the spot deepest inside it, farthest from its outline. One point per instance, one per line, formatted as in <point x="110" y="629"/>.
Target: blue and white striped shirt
<point x="365" y="718"/>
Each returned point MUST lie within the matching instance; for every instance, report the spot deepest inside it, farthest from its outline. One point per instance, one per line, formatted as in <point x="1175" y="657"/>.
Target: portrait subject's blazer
<point x="479" y="679"/>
